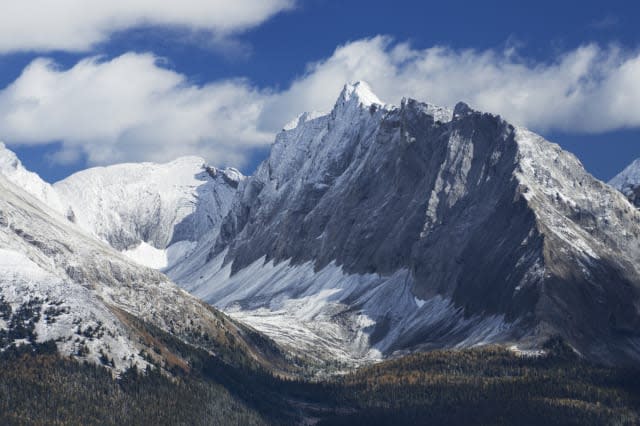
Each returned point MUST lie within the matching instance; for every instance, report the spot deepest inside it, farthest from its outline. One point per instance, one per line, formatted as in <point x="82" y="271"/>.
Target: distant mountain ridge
<point x="154" y="213"/>
<point x="628" y="182"/>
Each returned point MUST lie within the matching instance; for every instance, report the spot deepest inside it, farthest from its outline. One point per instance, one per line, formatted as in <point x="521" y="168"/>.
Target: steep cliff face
<point x="383" y="228"/>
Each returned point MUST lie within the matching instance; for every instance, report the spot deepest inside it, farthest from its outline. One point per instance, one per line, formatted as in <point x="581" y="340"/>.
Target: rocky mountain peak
<point x="359" y="92"/>
<point x="433" y="227"/>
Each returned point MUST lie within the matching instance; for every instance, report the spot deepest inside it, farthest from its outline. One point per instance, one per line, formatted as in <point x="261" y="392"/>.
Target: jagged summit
<point x="359" y="92"/>
<point x="354" y="96"/>
<point x="357" y="96"/>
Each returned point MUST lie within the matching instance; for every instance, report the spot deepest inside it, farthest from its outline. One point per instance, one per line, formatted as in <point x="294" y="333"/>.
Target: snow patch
<point x="527" y="353"/>
<point x="147" y="255"/>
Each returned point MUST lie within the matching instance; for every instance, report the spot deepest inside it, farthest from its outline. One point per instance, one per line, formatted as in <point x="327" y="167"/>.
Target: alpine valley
<point x="385" y="264"/>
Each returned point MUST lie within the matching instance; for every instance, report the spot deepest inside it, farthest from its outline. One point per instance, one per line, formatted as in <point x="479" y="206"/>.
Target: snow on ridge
<point x="628" y="178"/>
<point x="303" y="118"/>
<point x="141" y="208"/>
<point x="13" y="169"/>
<point x="562" y="193"/>
<point x="78" y="291"/>
<point x="156" y="204"/>
<point x="361" y="92"/>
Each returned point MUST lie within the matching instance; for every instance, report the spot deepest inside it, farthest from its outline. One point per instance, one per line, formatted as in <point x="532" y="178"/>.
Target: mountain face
<point x="60" y="285"/>
<point x="628" y="182"/>
<point x="377" y="229"/>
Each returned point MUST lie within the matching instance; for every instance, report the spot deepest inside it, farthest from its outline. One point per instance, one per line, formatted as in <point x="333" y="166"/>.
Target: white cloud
<point x="589" y="89"/>
<point x="77" y="25"/>
<point x="132" y="108"/>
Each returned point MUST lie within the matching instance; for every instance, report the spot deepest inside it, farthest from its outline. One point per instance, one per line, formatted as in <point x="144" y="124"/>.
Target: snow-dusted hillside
<point x="378" y="229"/>
<point x="59" y="284"/>
<point x="154" y="213"/>
<point x="628" y="182"/>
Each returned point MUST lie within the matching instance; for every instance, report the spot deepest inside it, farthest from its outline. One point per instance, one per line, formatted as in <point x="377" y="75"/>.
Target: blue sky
<point x="139" y="80"/>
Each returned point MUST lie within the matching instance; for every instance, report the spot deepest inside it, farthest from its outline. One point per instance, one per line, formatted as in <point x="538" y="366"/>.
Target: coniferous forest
<point x="475" y="386"/>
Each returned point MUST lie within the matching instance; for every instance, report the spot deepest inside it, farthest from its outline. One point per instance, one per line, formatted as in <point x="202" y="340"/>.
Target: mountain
<point x="377" y="229"/>
<point x="61" y="286"/>
<point x="154" y="213"/>
<point x="628" y="182"/>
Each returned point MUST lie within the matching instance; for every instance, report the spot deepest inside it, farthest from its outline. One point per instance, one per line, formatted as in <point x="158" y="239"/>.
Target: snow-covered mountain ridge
<point x="377" y="229"/>
<point x="11" y="168"/>
<point x="154" y="213"/>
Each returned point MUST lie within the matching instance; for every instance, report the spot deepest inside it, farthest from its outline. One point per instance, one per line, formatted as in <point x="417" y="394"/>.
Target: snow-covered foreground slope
<point x="628" y="182"/>
<point x="376" y="229"/>
<point x="154" y="213"/>
<point x="58" y="283"/>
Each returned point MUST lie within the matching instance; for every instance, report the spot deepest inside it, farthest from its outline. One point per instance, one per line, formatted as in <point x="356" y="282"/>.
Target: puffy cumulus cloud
<point x="133" y="108"/>
<point x="77" y="25"/>
<point x="589" y="89"/>
<point x="130" y="109"/>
